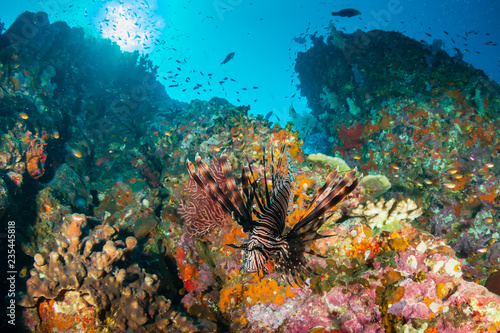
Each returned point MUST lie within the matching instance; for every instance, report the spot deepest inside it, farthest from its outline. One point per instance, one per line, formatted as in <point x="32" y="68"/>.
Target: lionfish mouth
<point x="270" y="243"/>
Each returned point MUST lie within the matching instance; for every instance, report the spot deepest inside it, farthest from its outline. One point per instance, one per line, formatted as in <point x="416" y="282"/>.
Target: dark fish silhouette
<point x="291" y="112"/>
<point x="228" y="57"/>
<point x="493" y="283"/>
<point x="268" y="115"/>
<point x="349" y="12"/>
<point x="300" y="40"/>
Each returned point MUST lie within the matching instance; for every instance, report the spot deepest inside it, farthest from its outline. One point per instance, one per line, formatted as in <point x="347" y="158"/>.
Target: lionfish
<point x="264" y="215"/>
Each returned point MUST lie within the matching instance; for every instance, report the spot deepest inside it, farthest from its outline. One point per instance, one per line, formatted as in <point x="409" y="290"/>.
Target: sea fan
<point x="268" y="241"/>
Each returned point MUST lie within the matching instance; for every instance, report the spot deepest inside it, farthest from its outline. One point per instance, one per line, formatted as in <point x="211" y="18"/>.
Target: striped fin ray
<point x="244" y="208"/>
<point x="265" y="176"/>
<point x="210" y="186"/>
<point x="255" y="190"/>
<point x="308" y="233"/>
<point x="283" y="169"/>
<point x="332" y="198"/>
<point x="330" y="179"/>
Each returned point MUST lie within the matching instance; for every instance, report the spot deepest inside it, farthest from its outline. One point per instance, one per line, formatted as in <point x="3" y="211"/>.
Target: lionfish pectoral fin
<point x="333" y="197"/>
<point x="312" y="253"/>
<point x="210" y="186"/>
<point x="243" y="246"/>
<point x="291" y="283"/>
<point x="244" y="206"/>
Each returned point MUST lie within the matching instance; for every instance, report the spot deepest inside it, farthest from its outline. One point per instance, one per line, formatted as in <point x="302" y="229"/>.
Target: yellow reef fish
<point x="22" y="272"/>
<point x="23" y="115"/>
<point x="76" y="153"/>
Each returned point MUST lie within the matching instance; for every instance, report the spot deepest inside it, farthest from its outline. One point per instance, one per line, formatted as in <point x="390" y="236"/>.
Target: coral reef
<point x="433" y="135"/>
<point x="90" y="285"/>
<point x="325" y="160"/>
<point x="375" y="186"/>
<point x="92" y="168"/>
<point x="35" y="158"/>
<point x="403" y="280"/>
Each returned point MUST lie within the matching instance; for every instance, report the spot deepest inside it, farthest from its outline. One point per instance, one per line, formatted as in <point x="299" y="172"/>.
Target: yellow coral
<point x="444" y="290"/>
<point x="230" y="297"/>
<point x="364" y="243"/>
<point x="399" y="244"/>
<point x="263" y="291"/>
<point x="230" y="238"/>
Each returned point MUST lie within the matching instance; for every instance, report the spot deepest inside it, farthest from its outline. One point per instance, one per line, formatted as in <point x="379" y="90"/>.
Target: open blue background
<point x="195" y="36"/>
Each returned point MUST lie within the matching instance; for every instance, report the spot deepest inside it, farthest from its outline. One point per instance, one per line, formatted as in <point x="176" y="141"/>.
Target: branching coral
<point x="383" y="213"/>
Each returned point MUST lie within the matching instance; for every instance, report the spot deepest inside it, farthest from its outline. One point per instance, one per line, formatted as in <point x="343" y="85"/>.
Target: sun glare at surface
<point x="133" y="25"/>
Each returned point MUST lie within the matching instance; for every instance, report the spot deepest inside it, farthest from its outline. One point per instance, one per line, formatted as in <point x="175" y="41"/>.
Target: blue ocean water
<point x="188" y="40"/>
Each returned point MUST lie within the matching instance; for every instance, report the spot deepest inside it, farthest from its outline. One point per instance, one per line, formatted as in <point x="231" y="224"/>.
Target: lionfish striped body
<point x="267" y="241"/>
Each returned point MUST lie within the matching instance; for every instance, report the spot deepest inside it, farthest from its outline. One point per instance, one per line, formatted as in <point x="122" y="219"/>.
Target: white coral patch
<point x="412" y="262"/>
<point x="452" y="268"/>
<point x="422" y="247"/>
